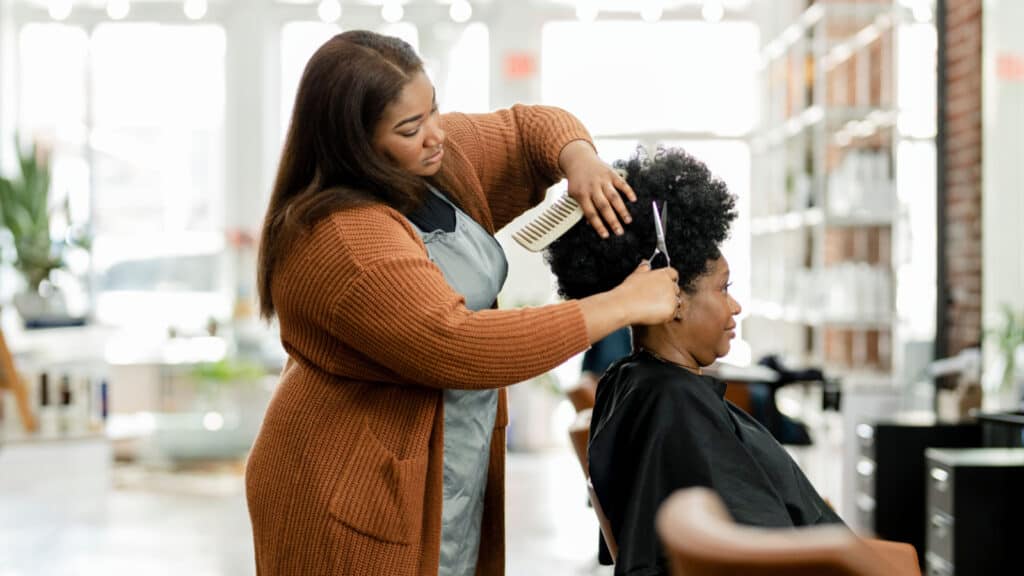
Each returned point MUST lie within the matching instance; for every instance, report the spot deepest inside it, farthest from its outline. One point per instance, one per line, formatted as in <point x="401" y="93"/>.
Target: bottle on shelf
<point x="48" y="411"/>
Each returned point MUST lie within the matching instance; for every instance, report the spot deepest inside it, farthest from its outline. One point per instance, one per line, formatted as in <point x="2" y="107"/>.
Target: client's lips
<point x="435" y="157"/>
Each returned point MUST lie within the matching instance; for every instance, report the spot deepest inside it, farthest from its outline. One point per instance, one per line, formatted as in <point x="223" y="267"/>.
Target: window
<point x="157" y="152"/>
<point x="672" y="94"/>
<point x="135" y="116"/>
<point x="693" y="76"/>
<point x="52" y="112"/>
<point x="299" y="40"/>
<point x="467" y="81"/>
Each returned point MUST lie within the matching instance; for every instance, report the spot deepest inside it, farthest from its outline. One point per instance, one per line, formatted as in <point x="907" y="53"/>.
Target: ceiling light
<point x="59" y="9"/>
<point x="392" y="12"/>
<point x="195" y="9"/>
<point x="329" y="11"/>
<point x="712" y="11"/>
<point x="460" y="11"/>
<point x="922" y="13"/>
<point x="651" y="11"/>
<point x="586" y="10"/>
<point x="118" y="9"/>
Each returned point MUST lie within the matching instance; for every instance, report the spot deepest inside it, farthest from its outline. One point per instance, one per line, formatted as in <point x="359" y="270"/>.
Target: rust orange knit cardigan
<point x="345" y="477"/>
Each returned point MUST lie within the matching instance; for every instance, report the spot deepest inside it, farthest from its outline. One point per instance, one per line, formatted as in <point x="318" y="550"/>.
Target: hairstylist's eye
<point x="725" y="288"/>
<point x="411" y="133"/>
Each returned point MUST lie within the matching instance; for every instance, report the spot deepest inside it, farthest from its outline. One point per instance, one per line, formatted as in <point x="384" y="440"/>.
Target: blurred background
<point x="876" y="246"/>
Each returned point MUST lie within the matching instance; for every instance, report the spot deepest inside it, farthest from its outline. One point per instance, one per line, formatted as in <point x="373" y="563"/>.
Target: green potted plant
<point x="1010" y="337"/>
<point x="25" y="213"/>
<point x="214" y="378"/>
<point x="229" y="399"/>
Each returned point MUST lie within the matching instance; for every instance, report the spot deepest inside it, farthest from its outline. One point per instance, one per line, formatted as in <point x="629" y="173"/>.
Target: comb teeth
<point x="547" y="226"/>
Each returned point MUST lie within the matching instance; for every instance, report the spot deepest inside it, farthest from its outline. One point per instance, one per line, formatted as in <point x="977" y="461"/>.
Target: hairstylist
<point x="382" y="451"/>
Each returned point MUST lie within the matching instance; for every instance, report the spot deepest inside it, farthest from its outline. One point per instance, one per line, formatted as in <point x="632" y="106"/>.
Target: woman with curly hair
<point x="659" y="424"/>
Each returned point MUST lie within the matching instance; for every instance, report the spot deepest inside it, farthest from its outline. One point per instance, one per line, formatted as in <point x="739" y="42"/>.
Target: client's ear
<point x="684" y="304"/>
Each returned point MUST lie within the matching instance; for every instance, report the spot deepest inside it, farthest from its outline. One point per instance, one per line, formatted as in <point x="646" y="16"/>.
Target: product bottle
<point x="65" y="409"/>
<point x="48" y="425"/>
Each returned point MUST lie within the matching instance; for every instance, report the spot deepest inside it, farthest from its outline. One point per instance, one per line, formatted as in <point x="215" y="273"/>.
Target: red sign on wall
<point x="1010" y="67"/>
<point x="519" y="65"/>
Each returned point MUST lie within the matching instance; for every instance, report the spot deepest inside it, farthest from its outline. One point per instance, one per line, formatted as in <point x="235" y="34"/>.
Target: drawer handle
<point x="866" y="433"/>
<point x="941" y="479"/>
<point x="934" y="566"/>
<point x="865" y="467"/>
<point x="865" y="503"/>
<point x="940" y="525"/>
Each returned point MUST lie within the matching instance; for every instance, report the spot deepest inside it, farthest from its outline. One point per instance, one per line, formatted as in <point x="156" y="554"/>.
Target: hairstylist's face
<point x="410" y="134"/>
<point x="708" y="320"/>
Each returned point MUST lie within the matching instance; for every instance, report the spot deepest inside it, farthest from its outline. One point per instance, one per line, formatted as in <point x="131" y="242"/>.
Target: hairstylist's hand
<point x="650" y="296"/>
<point x="645" y="297"/>
<point x="596" y="187"/>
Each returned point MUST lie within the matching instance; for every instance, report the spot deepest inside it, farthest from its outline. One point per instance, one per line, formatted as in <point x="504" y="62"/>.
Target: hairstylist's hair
<point x="328" y="162"/>
<point x="700" y="211"/>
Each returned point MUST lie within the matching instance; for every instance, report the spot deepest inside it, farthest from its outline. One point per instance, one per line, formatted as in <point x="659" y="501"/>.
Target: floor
<point x="143" y="520"/>
<point x="157" y="523"/>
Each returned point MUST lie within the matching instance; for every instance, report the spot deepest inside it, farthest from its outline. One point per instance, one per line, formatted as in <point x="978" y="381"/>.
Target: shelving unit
<point x="825" y="212"/>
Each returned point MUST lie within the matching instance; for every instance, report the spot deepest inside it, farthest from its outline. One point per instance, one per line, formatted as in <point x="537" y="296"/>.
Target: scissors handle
<point x="659" y="259"/>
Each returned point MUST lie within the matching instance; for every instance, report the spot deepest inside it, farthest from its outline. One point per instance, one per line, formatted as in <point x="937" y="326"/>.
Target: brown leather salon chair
<point x="579" y="434"/>
<point x="583" y="394"/>
<point x="701" y="539"/>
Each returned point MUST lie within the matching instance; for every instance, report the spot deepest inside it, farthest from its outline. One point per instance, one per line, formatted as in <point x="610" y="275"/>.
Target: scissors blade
<point x="659" y="226"/>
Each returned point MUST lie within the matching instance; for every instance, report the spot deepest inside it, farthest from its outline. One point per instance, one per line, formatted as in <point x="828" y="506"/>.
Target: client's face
<point x="708" y="324"/>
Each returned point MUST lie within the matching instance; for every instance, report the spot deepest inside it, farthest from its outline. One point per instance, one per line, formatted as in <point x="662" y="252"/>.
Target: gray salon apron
<point x="474" y="265"/>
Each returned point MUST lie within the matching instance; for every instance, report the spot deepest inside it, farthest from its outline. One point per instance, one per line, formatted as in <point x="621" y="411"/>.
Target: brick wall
<point x="962" y="164"/>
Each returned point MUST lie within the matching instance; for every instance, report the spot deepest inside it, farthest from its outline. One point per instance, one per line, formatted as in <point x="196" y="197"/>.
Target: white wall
<point x="1002" y="161"/>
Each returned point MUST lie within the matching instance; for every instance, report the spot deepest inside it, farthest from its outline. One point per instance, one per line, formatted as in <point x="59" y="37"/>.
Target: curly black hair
<point x="700" y="211"/>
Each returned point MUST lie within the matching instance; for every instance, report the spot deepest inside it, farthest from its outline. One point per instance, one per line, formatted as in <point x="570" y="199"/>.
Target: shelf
<point x="795" y="315"/>
<point x="788" y="222"/>
<point x="858" y="221"/>
<point x="828" y="138"/>
<point x="19" y="437"/>
<point x="864" y="127"/>
<point x="860" y="40"/>
<point x="845" y="122"/>
<point x="792" y="34"/>
<point x="801" y="219"/>
<point x="790" y="128"/>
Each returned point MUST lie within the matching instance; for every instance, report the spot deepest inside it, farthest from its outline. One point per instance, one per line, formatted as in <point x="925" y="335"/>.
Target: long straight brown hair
<point x="328" y="162"/>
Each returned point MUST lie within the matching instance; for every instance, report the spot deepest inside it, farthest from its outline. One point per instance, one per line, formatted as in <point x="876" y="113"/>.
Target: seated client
<point x="659" y="424"/>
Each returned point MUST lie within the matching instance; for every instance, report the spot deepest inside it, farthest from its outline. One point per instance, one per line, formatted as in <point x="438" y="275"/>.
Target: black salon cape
<point x="656" y="428"/>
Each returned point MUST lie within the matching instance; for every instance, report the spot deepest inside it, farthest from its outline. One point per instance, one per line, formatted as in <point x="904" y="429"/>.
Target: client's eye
<point x="725" y="288"/>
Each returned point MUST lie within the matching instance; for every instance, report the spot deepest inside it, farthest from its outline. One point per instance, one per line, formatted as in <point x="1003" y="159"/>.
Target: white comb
<point x="554" y="221"/>
<point x="549" y="225"/>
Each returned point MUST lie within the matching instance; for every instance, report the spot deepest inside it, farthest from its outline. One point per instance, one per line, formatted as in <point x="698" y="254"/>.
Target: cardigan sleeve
<point x="401" y="313"/>
<point x="514" y="153"/>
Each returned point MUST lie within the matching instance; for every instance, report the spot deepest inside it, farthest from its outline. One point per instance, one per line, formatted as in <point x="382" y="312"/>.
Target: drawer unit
<point x="1002" y="429"/>
<point x="889" y="473"/>
<point x="975" y="503"/>
<point x="864" y="476"/>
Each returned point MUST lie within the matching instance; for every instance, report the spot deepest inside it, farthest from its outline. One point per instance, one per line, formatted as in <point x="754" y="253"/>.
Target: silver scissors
<point x="660" y="223"/>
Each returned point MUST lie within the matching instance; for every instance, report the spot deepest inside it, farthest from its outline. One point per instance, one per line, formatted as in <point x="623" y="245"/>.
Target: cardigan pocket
<point x="379" y="495"/>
